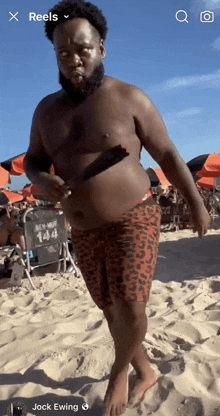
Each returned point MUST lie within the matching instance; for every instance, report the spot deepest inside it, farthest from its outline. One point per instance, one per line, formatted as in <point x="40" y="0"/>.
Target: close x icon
<point x="13" y="16"/>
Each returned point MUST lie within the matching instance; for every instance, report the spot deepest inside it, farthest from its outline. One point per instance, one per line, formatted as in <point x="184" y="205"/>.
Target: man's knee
<point x="131" y="312"/>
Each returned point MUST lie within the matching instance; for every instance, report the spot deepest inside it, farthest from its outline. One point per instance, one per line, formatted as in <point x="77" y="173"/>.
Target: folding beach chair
<point x="46" y="243"/>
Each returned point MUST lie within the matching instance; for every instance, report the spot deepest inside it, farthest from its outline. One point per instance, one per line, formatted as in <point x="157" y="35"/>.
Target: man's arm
<point x="153" y="135"/>
<point x="37" y="165"/>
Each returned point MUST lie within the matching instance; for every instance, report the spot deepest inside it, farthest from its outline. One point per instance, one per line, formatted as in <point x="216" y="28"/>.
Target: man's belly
<point x="105" y="197"/>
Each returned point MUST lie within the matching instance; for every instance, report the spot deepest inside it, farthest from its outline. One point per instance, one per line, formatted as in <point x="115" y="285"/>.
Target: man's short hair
<point x="76" y="8"/>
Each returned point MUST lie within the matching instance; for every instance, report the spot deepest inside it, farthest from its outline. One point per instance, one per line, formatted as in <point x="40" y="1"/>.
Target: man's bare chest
<point x="89" y="129"/>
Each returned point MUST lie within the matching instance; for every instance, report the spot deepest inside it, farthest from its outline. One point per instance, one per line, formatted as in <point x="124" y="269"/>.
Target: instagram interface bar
<point x="205" y="17"/>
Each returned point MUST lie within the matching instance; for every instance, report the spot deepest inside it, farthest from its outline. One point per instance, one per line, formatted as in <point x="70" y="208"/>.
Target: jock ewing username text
<point x="57" y="406"/>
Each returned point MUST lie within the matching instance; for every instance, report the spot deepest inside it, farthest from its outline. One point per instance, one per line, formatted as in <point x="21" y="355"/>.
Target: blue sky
<point x="176" y="64"/>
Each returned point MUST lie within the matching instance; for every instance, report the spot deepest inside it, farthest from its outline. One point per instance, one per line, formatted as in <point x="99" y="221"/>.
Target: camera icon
<point x="207" y="17"/>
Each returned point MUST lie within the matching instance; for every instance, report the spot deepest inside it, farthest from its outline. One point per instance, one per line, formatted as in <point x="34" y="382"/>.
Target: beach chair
<point x="46" y="244"/>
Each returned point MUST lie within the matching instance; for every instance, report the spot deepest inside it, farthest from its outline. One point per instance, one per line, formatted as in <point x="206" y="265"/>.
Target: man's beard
<point x="90" y="85"/>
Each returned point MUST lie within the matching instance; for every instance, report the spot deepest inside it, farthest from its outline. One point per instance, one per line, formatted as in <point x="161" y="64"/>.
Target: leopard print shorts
<point x="119" y="258"/>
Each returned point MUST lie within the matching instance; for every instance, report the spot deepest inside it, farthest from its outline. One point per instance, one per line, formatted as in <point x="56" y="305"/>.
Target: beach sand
<point x="56" y="350"/>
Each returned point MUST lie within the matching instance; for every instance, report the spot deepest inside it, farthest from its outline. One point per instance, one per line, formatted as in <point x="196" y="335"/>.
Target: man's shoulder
<point x="46" y="106"/>
<point x="49" y="100"/>
<point x="118" y="85"/>
<point x="124" y="89"/>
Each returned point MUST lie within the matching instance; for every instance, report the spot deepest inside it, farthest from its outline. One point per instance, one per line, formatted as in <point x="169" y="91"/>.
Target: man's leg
<point x="128" y="325"/>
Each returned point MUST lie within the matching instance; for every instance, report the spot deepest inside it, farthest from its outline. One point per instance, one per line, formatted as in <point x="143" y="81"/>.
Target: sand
<point x="56" y="351"/>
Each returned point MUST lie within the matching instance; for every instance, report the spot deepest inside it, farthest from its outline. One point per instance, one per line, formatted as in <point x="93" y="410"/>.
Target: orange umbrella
<point x="9" y="196"/>
<point x="15" y="165"/>
<point x="211" y="167"/>
<point x="157" y="177"/>
<point x="205" y="165"/>
<point x="30" y="189"/>
<point x="208" y="183"/>
<point x="162" y="178"/>
<point x="4" y="177"/>
<point x="30" y="198"/>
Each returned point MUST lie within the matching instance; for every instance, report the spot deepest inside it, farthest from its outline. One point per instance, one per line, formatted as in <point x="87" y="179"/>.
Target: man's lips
<point x="75" y="74"/>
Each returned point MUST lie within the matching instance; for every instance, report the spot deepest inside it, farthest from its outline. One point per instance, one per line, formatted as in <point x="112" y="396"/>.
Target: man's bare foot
<point x="116" y="396"/>
<point x="140" y="387"/>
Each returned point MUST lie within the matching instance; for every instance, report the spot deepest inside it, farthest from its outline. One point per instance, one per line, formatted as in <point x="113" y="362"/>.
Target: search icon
<point x="185" y="18"/>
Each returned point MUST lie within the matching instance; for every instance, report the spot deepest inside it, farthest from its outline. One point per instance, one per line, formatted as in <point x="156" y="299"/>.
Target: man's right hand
<point x="200" y="219"/>
<point x="52" y="187"/>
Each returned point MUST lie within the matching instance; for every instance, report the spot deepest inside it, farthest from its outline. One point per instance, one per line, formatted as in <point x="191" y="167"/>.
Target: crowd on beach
<point x="175" y="213"/>
<point x="11" y="230"/>
<point x="11" y="223"/>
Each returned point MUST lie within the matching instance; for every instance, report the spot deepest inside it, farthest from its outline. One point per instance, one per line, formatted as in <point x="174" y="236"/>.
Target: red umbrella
<point x="205" y="165"/>
<point x="211" y="167"/>
<point x="9" y="196"/>
<point x="4" y="177"/>
<point x="208" y="183"/>
<point x="15" y="165"/>
<point x="157" y="177"/>
<point x="30" y="190"/>
<point x="30" y="198"/>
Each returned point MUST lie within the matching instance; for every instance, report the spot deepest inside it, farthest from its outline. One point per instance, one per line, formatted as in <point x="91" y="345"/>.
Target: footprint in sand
<point x="7" y="337"/>
<point x="67" y="295"/>
<point x="175" y="366"/>
<point x="42" y="315"/>
<point x="215" y="287"/>
<point x="191" y="406"/>
<point x="23" y="302"/>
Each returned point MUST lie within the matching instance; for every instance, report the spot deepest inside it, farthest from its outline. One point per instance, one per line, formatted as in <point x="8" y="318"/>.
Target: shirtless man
<point x="10" y="232"/>
<point x="115" y="221"/>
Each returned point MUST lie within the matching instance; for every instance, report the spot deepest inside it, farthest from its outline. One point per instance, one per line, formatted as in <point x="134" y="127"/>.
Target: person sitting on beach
<point x="92" y="131"/>
<point x="10" y="232"/>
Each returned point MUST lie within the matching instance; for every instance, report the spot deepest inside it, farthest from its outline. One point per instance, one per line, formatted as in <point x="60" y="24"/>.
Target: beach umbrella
<point x="31" y="193"/>
<point x="4" y="177"/>
<point x="30" y="198"/>
<point x="208" y="183"/>
<point x="157" y="177"/>
<point x="9" y="196"/>
<point x="205" y="165"/>
<point x="30" y="190"/>
<point x="15" y="165"/>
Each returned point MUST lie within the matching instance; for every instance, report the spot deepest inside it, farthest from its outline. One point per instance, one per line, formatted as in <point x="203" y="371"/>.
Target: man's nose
<point x="74" y="60"/>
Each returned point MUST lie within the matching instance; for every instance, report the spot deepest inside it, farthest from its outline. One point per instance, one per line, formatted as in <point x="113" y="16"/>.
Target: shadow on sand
<point x="188" y="258"/>
<point x="56" y="404"/>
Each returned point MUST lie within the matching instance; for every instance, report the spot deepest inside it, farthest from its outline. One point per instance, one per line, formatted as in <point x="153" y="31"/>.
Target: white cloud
<point x="198" y="6"/>
<point x="212" y="4"/>
<point x="200" y="81"/>
<point x="176" y="116"/>
<point x="216" y="45"/>
<point x="188" y="112"/>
